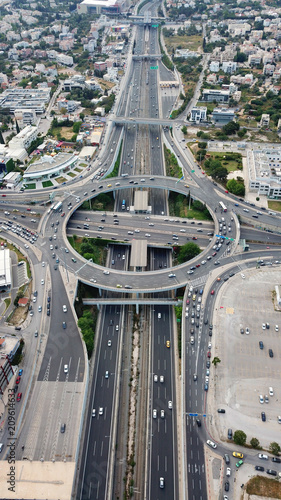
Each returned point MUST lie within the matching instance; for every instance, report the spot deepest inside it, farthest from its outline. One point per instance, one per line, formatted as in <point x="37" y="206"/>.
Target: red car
<point x="28" y="209"/>
<point x="226" y="191"/>
<point x="188" y="301"/>
<point x="19" y="396"/>
<point x="208" y="354"/>
<point x="197" y="265"/>
<point x="194" y="237"/>
<point x="63" y="214"/>
<point x="18" y="380"/>
<point x="3" y="195"/>
<point x="213" y="254"/>
<point x="212" y="292"/>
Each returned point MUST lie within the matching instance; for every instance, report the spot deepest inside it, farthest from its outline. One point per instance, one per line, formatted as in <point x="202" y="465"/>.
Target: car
<point x="154" y="414"/>
<point x="172" y="275"/>
<point x="271" y="472"/>
<point x="270" y="352"/>
<point x="42" y="282"/>
<point x="93" y="412"/>
<point x="39" y="308"/>
<point x="106" y="374"/>
<point x="211" y="443"/>
<point x="237" y="454"/>
<point x="229" y="434"/>
<point x="65" y="368"/>
<point x="101" y="410"/>
<point x="162" y="379"/>
<point x="73" y="260"/>
<point x="276" y="328"/>
<point x="212" y="292"/>
<point x="155" y="378"/>
<point x="208" y="363"/>
<point x="267" y="326"/>
<point x="239" y="463"/>
<point x="170" y="405"/>
<point x="228" y="471"/>
<point x="263" y="326"/>
<point x="262" y="456"/>
<point x="271" y="391"/>
<point x="36" y="333"/>
<point x="226" y="458"/>
<point x="206" y="386"/>
<point x="161" y="482"/>
<point x="247" y="331"/>
<point x="162" y="414"/>
<point x="168" y="343"/>
<point x="48" y="312"/>
<point x="19" y="396"/>
<point x="261" y="344"/>
<point x="208" y="354"/>
<point x="64" y="325"/>
<point x="261" y="399"/>
<point x="106" y="272"/>
<point x="17" y="380"/>
<point x="117" y="328"/>
<point x="266" y="400"/>
<point x="259" y="467"/>
<point x="20" y="372"/>
<point x="263" y="416"/>
<point x="62" y="429"/>
<point x="198" y="422"/>
<point x="276" y="460"/>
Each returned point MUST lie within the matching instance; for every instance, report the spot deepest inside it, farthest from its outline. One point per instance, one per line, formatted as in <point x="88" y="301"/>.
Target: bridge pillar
<point x="137" y="305"/>
<point x="100" y="292"/>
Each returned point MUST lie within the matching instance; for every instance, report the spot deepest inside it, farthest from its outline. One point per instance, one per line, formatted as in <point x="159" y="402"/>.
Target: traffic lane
<point x="103" y="390"/>
<point x="253" y="234"/>
<point x="64" y="346"/>
<point x="162" y="449"/>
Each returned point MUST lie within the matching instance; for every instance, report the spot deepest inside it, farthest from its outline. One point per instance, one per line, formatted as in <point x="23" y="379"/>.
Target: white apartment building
<point x="25" y="117"/>
<point x="198" y="114"/>
<point x="19" y="98"/>
<point x="264" y="170"/>
<point x="24" y="138"/>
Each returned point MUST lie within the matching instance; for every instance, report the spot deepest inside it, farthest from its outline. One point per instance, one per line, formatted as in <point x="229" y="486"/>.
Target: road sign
<point x="153" y="67"/>
<point x="204" y="415"/>
<point x="154" y="26"/>
<point x="193" y="414"/>
<point x="192" y="171"/>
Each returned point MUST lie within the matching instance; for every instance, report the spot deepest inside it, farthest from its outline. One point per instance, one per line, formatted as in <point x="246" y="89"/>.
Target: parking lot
<point x="246" y="371"/>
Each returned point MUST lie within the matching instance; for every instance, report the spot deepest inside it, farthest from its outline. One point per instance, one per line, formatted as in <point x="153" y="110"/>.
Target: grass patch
<point x="7" y="302"/>
<point x="264" y="487"/>
<point x="78" y="169"/>
<point x="83" y="165"/>
<point x="274" y="205"/>
<point x="231" y="161"/>
<point x="172" y="166"/>
<point x="115" y="170"/>
<point x="174" y="42"/>
<point x="30" y="186"/>
<point x="71" y="174"/>
<point x="46" y="184"/>
<point x="90" y="248"/>
<point x="60" y="180"/>
<point x="66" y="132"/>
<point x="103" y="202"/>
<point x="179" y="207"/>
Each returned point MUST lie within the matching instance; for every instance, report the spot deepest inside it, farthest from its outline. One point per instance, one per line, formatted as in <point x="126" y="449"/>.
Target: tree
<point x="17" y="127"/>
<point x="184" y="129"/>
<point x="216" y="360"/>
<point x="235" y="187"/>
<point x="187" y="252"/>
<point x="255" y="443"/>
<point x="1" y="138"/>
<point x="239" y="438"/>
<point x="274" y="448"/>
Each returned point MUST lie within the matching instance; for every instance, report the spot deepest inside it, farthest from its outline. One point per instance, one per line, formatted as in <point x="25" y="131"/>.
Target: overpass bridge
<point x="122" y="120"/>
<point x="136" y="301"/>
<point x="147" y="57"/>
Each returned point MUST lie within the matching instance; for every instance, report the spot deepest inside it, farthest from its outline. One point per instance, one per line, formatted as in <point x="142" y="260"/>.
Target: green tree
<point x="216" y="360"/>
<point x="187" y="252"/>
<point x="235" y="187"/>
<point x="184" y="130"/>
<point x="255" y="443"/>
<point x="274" y="448"/>
<point x="239" y="438"/>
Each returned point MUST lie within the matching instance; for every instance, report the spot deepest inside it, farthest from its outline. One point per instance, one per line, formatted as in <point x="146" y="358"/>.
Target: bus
<point x="123" y="205"/>
<point x="222" y="206"/>
<point x="57" y="206"/>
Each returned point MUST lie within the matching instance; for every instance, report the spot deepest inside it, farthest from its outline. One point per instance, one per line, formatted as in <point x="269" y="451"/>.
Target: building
<point x="229" y="67"/>
<point x="198" y="114"/>
<point x="101" y="6"/>
<point x="100" y="66"/>
<point x="25" y="117"/>
<point x="210" y="95"/>
<point x="12" y="179"/>
<point x="264" y="171"/>
<point x="50" y="166"/>
<point x="214" y="66"/>
<point x="186" y="54"/>
<point x="222" y="116"/>
<point x="24" y="138"/>
<point x="19" y="98"/>
<point x="87" y="153"/>
<point x="6" y="369"/>
<point x="5" y="270"/>
<point x="265" y="119"/>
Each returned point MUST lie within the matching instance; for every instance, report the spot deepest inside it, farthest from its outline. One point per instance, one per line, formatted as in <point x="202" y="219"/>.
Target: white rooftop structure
<point x="50" y="166"/>
<point x="5" y="269"/>
<point x="264" y="170"/>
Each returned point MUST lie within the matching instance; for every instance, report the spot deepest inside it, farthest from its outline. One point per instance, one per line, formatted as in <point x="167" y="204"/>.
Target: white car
<point x="64" y="308"/>
<point x="154" y="413"/>
<point x="247" y="331"/>
<point x="106" y="272"/>
<point x="155" y="378"/>
<point x="117" y="328"/>
<point x="271" y="391"/>
<point x="34" y="299"/>
<point x="51" y="247"/>
<point x="42" y="282"/>
<point x="43" y="263"/>
<point x="106" y="374"/>
<point x="39" y="308"/>
<point x="211" y="443"/>
<point x="162" y="414"/>
<point x="94" y="412"/>
<point x="261" y="399"/>
<point x="276" y="328"/>
<point x="263" y="456"/>
<point x="101" y="410"/>
<point x="228" y="471"/>
<point x="109" y="343"/>
<point x="243" y="276"/>
<point x="161" y="379"/>
<point x="263" y="326"/>
<point x="170" y="405"/>
<point x="65" y="368"/>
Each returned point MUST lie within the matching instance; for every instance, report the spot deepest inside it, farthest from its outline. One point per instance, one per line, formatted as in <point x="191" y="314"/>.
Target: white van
<point x="159" y="315"/>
